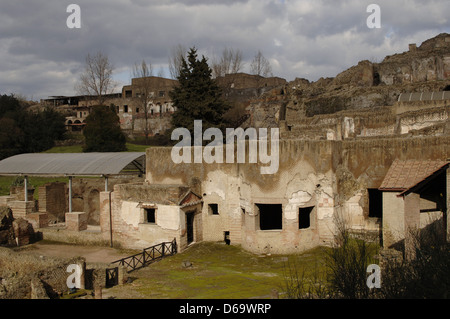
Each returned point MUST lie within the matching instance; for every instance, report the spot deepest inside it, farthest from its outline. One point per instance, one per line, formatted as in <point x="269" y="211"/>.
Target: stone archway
<point x="93" y="208"/>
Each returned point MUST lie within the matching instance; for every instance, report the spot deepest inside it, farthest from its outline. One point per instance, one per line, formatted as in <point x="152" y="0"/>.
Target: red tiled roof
<point x="190" y="199"/>
<point x="403" y="175"/>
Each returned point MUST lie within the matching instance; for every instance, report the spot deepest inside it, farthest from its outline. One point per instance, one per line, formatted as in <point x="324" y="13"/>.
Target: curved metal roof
<point x="73" y="164"/>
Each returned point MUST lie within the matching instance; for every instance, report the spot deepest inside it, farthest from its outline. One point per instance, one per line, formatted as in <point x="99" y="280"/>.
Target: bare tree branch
<point x="230" y="63"/>
<point x="176" y="57"/>
<point x="96" y="80"/>
<point x="260" y="65"/>
<point x="142" y="72"/>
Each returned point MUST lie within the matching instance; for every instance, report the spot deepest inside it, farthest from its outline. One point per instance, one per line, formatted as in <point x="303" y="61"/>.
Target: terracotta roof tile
<point x="404" y="174"/>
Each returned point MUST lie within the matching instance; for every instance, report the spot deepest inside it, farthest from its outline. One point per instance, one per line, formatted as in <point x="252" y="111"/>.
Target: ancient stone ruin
<point x="346" y="146"/>
<point x="15" y="232"/>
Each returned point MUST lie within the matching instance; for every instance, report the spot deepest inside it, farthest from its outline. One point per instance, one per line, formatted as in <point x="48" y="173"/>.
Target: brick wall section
<point x="21" y="209"/>
<point x="52" y="200"/>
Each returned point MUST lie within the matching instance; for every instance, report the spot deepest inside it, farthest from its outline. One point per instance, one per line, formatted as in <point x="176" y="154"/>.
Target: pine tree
<point x="197" y="97"/>
<point x="102" y="132"/>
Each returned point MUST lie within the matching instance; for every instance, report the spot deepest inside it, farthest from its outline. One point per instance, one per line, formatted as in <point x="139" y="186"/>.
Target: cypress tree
<point x="197" y="97"/>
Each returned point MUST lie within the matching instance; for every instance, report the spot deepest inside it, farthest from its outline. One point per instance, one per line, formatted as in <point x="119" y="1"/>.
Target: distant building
<point x="128" y="106"/>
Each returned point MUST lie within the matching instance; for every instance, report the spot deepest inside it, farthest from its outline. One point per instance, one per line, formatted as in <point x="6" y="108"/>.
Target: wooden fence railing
<point x="148" y="256"/>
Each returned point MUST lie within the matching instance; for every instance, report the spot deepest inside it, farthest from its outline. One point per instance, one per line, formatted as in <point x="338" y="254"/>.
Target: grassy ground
<point x="79" y="148"/>
<point x="6" y="181"/>
<point x="218" y="272"/>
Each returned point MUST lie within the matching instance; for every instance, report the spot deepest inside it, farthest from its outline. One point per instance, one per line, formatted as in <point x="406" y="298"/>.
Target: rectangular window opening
<point x="270" y="216"/>
<point x="304" y="217"/>
<point x="213" y="209"/>
<point x="150" y="215"/>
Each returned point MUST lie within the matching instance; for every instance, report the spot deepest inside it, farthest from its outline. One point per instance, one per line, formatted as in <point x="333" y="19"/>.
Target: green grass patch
<point x="136" y="148"/>
<point x="79" y="148"/>
<point x="218" y="271"/>
<point x="5" y="184"/>
<point x="36" y="182"/>
<point x="65" y="149"/>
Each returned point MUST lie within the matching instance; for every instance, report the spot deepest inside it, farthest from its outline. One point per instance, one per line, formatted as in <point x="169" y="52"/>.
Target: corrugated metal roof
<point x="403" y="175"/>
<point x="72" y="164"/>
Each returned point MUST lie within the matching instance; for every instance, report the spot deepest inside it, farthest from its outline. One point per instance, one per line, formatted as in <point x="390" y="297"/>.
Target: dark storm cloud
<point x="308" y="38"/>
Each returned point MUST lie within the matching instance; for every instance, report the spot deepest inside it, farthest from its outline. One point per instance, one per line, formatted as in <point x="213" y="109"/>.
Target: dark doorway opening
<point x="304" y="217"/>
<point x="375" y="203"/>
<point x="190" y="227"/>
<point x="376" y="79"/>
<point x="270" y="216"/>
<point x="226" y="235"/>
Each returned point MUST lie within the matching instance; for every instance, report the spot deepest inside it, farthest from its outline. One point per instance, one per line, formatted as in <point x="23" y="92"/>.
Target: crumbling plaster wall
<point x="363" y="164"/>
<point x="332" y="176"/>
<point x="127" y="221"/>
<point x="304" y="179"/>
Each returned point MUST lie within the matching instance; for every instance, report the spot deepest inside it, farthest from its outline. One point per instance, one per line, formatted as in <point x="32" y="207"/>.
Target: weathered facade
<point x="339" y="139"/>
<point x="287" y="212"/>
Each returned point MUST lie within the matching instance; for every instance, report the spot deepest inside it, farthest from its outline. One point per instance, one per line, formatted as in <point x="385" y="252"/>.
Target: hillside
<point x="368" y="93"/>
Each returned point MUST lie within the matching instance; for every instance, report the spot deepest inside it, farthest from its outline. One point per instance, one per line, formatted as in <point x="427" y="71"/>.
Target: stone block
<point x="21" y="209"/>
<point x="38" y="220"/>
<point x="23" y="231"/>
<point x="76" y="221"/>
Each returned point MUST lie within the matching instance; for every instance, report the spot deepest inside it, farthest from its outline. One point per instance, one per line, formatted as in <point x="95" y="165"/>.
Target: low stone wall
<point x="60" y="234"/>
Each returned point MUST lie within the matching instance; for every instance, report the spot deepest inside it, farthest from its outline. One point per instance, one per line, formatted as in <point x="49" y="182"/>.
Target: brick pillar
<point x="412" y="223"/>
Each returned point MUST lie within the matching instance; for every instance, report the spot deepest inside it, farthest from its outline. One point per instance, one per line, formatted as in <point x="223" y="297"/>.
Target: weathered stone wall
<point x="393" y="219"/>
<point x="332" y="176"/>
<point x="127" y="217"/>
<point x="304" y="179"/>
<point x="86" y="194"/>
<point x="377" y="122"/>
<point x="241" y="81"/>
<point x="52" y="200"/>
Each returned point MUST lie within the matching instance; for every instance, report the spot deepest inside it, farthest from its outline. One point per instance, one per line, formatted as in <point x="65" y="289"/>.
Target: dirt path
<point x="92" y="254"/>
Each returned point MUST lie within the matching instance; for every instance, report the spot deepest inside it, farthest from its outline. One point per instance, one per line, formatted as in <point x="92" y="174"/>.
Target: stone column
<point x="106" y="199"/>
<point x="122" y="275"/>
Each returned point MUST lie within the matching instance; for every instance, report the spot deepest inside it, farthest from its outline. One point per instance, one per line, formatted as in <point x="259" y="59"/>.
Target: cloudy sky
<point x="40" y="56"/>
